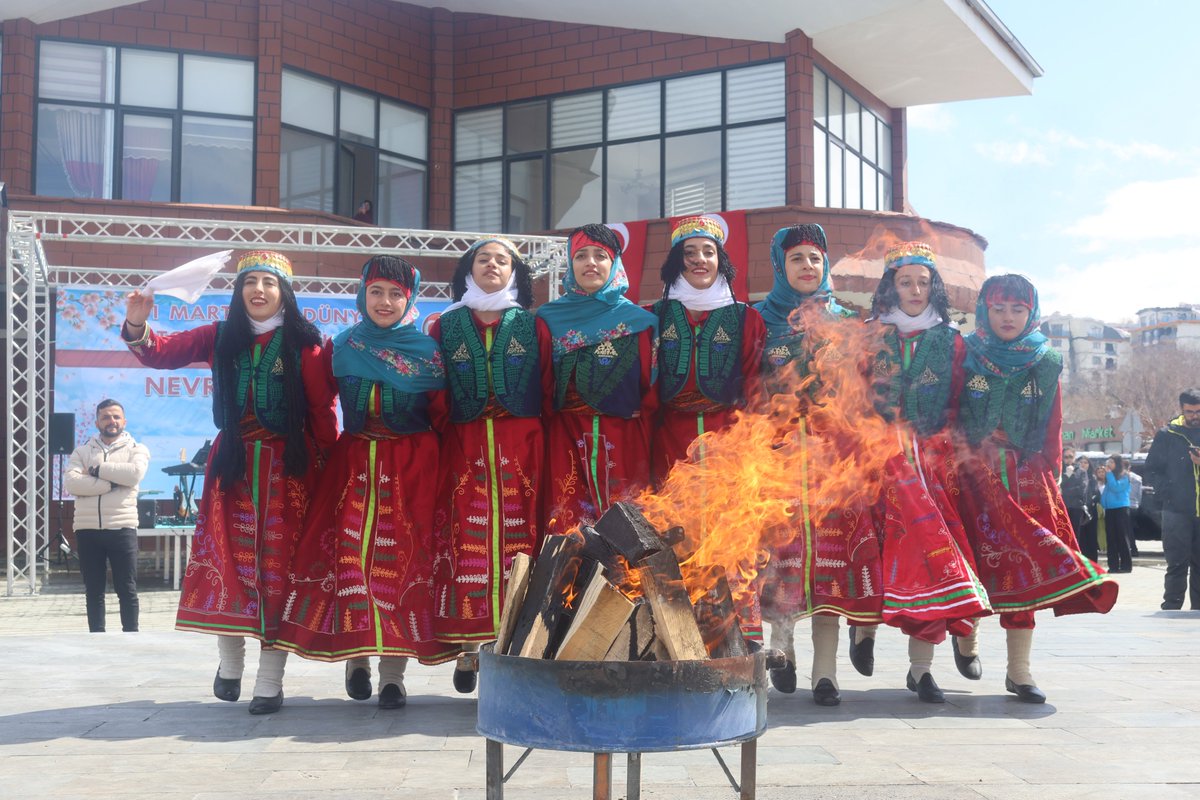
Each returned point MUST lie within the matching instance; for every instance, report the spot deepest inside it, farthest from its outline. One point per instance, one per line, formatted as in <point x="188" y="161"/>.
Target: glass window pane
<point x="820" y="101"/>
<point x="634" y="181"/>
<point x="146" y="158"/>
<point x="74" y="152"/>
<point x="692" y="183"/>
<point x="478" y="197"/>
<point x="358" y="175"/>
<point x="216" y="161"/>
<point x="870" y="189"/>
<point x="575" y="188"/>
<point x="835" y="176"/>
<point x="526" y="196"/>
<point x="403" y="130"/>
<point x="853" y="113"/>
<point x="149" y="78"/>
<point x="885" y="147"/>
<point x="869" y="150"/>
<point x="820" y="168"/>
<point x="634" y="111"/>
<point x="757" y="166"/>
<point x="307" y="103"/>
<point x="754" y="93"/>
<point x="68" y="71"/>
<point x="853" y="181"/>
<point x="305" y="171"/>
<point x="401" y="193"/>
<point x="576" y="119"/>
<point x="525" y="127"/>
<point x="694" y="102"/>
<point x="885" y="192"/>
<point x="477" y="134"/>
<point x="835" y="110"/>
<point x="357" y="116"/>
<point x="219" y="85"/>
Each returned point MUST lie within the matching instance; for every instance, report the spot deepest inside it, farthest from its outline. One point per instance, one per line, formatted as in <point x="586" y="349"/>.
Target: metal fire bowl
<point x="622" y="706"/>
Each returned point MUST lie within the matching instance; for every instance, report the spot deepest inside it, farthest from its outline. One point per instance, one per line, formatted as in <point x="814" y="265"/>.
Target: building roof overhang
<point x="905" y="52"/>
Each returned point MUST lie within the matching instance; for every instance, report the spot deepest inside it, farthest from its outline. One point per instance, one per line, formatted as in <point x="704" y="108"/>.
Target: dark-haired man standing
<point x="1173" y="469"/>
<point x="103" y="474"/>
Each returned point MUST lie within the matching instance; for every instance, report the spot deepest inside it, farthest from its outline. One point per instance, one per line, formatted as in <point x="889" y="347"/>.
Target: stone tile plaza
<point x="132" y="716"/>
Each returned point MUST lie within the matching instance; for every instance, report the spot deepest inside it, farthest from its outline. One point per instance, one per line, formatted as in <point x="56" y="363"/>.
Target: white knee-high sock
<point x="362" y="662"/>
<point x="863" y="632"/>
<point x="232" y="650"/>
<point x="1020" y="643"/>
<point x="825" y="643"/>
<point x="920" y="657"/>
<point x="269" y="681"/>
<point x="391" y="670"/>
<point x="969" y="645"/>
<point x="783" y="634"/>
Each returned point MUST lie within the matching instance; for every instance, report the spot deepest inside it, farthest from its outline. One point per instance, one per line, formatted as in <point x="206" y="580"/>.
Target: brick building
<point x="473" y="115"/>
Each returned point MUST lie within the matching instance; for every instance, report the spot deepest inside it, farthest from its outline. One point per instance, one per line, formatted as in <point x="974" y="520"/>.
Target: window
<point x="153" y="125"/>
<point x="704" y="142"/>
<point x="852" y="164"/>
<point x="341" y="146"/>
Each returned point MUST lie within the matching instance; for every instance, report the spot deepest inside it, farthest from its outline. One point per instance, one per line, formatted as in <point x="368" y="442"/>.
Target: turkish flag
<point x="633" y="253"/>
<point x="737" y="245"/>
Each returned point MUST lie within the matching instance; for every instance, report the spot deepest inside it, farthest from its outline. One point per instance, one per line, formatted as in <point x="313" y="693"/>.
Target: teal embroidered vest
<point x="920" y="392"/>
<point x="717" y="346"/>
<point x="608" y="376"/>
<point x="1019" y="405"/>
<point x="401" y="412"/>
<point x="266" y="378"/>
<point x="515" y="369"/>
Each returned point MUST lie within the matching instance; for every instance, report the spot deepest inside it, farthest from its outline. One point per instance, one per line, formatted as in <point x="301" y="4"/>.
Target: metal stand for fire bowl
<point x="630" y="707"/>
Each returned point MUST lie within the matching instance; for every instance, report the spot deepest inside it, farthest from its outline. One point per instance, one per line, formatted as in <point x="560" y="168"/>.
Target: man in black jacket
<point x="1173" y="469"/>
<point x="1074" y="486"/>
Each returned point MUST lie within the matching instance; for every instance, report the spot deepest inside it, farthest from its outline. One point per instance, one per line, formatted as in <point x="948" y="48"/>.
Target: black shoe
<point x="464" y="681"/>
<point x="927" y="689"/>
<point x="392" y="696"/>
<point x="227" y="689"/>
<point x="1025" y="692"/>
<point x="358" y="684"/>
<point x="862" y="655"/>
<point x="266" y="705"/>
<point x="826" y="694"/>
<point x="784" y="678"/>
<point x="968" y="666"/>
<point x="1170" y="607"/>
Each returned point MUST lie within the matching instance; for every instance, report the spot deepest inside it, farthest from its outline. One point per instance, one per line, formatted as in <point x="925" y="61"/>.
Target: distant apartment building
<point x="1091" y="349"/>
<point x="1176" y="326"/>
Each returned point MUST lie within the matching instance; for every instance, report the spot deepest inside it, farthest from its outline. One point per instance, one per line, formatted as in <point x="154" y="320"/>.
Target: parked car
<point x="1147" y="519"/>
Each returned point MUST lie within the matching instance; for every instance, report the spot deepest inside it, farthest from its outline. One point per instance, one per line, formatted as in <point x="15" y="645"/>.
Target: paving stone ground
<point x="132" y="716"/>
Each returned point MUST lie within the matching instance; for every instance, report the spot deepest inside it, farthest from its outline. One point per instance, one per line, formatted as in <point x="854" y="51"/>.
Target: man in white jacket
<point x="103" y="475"/>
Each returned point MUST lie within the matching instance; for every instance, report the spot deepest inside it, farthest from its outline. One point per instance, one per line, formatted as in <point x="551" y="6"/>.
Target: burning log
<point x="624" y="527"/>
<point x="550" y="585"/>
<point x="717" y="618"/>
<point x="636" y="637"/>
<point x="674" y="623"/>
<point x="601" y="615"/>
<point x="514" y="598"/>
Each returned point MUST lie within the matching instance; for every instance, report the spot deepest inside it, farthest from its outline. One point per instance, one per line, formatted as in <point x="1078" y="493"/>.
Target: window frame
<point x="822" y="196"/>
<point x="120" y="110"/>
<point x="606" y="141"/>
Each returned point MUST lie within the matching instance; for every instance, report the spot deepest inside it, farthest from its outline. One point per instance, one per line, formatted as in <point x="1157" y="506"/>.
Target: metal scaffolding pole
<point x="28" y="305"/>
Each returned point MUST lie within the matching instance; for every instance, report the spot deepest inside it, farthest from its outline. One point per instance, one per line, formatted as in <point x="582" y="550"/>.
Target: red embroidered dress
<point x="1024" y="545"/>
<point x="595" y="458"/>
<point x="930" y="579"/>
<point x="493" y="471"/>
<point x="245" y="533"/>
<point x="361" y="582"/>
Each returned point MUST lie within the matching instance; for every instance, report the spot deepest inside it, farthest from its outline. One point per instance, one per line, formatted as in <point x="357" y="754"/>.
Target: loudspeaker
<point x="62" y="434"/>
<point x="147" y="514"/>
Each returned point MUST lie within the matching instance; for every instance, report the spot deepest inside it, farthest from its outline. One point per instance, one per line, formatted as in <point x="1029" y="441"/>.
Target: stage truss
<point x="30" y="278"/>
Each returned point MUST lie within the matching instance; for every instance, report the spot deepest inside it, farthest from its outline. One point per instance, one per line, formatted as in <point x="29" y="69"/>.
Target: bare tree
<point x="1149" y="383"/>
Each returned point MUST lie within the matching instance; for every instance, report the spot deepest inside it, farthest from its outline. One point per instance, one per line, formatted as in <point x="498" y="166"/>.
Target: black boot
<point x="266" y="705"/>
<point x="358" y="684"/>
<point x="1025" y="692"/>
<point x="784" y="678"/>
<point x="927" y="689"/>
<point x="826" y="694"/>
<point x="227" y="689"/>
<point x="968" y="666"/>
<point x="862" y="654"/>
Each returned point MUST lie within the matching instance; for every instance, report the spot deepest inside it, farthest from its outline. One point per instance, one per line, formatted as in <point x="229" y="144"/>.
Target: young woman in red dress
<point x="273" y="405"/>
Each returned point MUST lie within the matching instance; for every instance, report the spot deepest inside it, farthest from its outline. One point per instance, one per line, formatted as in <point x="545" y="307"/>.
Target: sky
<point x="1091" y="185"/>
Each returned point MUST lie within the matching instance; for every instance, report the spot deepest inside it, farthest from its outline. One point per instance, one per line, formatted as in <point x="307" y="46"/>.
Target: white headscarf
<point x="267" y="325"/>
<point x="909" y="324"/>
<point x="715" y="296"/>
<point x="477" y="299"/>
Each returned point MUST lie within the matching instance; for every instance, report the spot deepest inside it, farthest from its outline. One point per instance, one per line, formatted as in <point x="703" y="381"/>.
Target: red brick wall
<point x="17" y="106"/>
<point x="501" y="59"/>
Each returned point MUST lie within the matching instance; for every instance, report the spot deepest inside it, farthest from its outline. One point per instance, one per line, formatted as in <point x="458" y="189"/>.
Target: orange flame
<point x="815" y="444"/>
